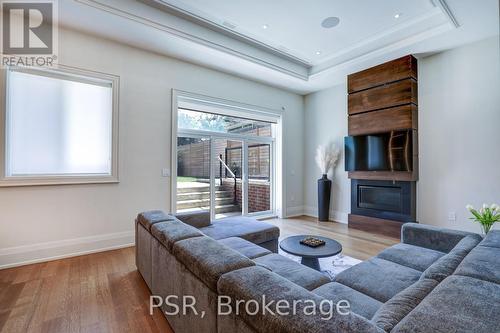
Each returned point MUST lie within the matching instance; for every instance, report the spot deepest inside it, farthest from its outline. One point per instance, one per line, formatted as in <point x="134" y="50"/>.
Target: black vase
<point x="324" y="190"/>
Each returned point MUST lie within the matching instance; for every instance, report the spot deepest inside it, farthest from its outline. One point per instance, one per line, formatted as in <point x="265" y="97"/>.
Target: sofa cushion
<point x="443" y="268"/>
<point x="173" y="231"/>
<point x="467" y="244"/>
<point x="378" y="278"/>
<point x="271" y="245"/>
<point x="254" y="282"/>
<point x="415" y="257"/>
<point x="395" y="309"/>
<point x="148" y="218"/>
<point x="245" y="227"/>
<point x="207" y="259"/>
<point x="359" y="303"/>
<point x="246" y="248"/>
<point x="304" y="276"/>
<point x="492" y="239"/>
<point x="483" y="262"/>
<point x="458" y="304"/>
<point x="446" y="265"/>
<point x="431" y="237"/>
<point x="195" y="219"/>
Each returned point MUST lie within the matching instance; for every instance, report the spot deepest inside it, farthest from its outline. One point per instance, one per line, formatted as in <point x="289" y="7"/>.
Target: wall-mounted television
<point x="391" y="151"/>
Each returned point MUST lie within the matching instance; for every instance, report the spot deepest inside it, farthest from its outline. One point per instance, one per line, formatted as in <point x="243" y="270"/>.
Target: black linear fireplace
<point x="384" y="199"/>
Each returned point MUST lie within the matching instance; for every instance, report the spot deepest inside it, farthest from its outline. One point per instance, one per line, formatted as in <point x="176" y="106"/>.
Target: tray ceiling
<point x="294" y="26"/>
<point x="283" y="42"/>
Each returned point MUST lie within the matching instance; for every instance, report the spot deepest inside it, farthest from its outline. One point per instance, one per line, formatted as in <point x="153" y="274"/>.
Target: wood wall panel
<point x="402" y="68"/>
<point x="382" y="99"/>
<point x="386" y="96"/>
<point x="401" y="176"/>
<point x="397" y="118"/>
<point x="375" y="225"/>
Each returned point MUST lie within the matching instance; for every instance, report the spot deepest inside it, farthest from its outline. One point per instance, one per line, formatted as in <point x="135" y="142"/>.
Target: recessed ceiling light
<point x="318" y="52"/>
<point x="330" y="22"/>
<point x="397" y="15"/>
<point x="265" y="26"/>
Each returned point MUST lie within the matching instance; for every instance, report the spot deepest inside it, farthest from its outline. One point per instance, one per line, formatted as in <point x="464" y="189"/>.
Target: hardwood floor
<point x="103" y="292"/>
<point x="355" y="243"/>
<point x="100" y="292"/>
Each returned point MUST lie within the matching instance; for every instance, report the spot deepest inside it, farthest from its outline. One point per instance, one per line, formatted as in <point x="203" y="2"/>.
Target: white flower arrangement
<point x="487" y="216"/>
<point x="327" y="157"/>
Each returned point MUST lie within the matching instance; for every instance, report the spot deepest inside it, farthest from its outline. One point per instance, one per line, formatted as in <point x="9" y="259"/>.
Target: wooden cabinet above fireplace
<point x="381" y="121"/>
<point x="389" y="95"/>
<point x="383" y="99"/>
<point x="383" y="102"/>
<point x="392" y="71"/>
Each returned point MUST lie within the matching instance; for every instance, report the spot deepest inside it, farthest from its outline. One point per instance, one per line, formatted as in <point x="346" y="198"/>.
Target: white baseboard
<point x="34" y="253"/>
<point x="335" y="215"/>
<point x="294" y="211"/>
<point x="47" y="251"/>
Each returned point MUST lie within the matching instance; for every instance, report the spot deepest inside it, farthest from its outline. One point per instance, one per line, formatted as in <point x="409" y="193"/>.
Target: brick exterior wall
<point x="259" y="197"/>
<point x="259" y="194"/>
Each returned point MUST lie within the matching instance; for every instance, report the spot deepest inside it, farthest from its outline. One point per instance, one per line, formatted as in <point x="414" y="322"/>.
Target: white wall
<point x="326" y="119"/>
<point x="459" y="133"/>
<point x="47" y="221"/>
<point x="459" y="136"/>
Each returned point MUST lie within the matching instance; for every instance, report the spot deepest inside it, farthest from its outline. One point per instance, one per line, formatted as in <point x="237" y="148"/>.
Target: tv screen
<point x="390" y="151"/>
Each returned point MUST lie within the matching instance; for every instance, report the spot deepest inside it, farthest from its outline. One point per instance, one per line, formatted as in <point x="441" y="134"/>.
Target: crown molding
<point x="421" y="36"/>
<point x="196" y="17"/>
<point x="190" y="37"/>
<point x="379" y="36"/>
<point x="443" y="5"/>
<point x="387" y="49"/>
<point x="193" y="16"/>
<point x="439" y="20"/>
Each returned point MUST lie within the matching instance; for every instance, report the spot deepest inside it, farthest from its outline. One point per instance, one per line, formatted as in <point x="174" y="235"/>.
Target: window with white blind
<point x="60" y="127"/>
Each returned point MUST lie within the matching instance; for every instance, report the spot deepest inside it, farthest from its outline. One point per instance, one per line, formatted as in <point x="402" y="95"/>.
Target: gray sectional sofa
<point x="435" y="280"/>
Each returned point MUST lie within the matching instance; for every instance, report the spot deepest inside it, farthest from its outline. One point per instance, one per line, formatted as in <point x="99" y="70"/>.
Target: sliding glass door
<point x="228" y="172"/>
<point x="259" y="177"/>
<point x="193" y="174"/>
<point x="224" y="165"/>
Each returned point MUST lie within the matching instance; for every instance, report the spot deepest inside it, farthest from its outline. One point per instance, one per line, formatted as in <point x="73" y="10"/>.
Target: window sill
<point x="56" y="180"/>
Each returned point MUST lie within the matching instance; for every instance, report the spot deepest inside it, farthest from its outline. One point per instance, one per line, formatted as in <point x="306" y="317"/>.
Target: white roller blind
<point x="227" y="108"/>
<point x="57" y="125"/>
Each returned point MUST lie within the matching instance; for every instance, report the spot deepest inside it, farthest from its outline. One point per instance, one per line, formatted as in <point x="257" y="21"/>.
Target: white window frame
<point x="234" y="109"/>
<point x="76" y="74"/>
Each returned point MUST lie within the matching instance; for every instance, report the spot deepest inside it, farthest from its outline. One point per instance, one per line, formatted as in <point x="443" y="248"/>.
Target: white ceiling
<point x="295" y="25"/>
<point x="229" y="35"/>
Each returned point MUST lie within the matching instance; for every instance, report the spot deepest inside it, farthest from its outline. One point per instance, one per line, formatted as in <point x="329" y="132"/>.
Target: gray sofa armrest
<point x="151" y="217"/>
<point x="195" y="219"/>
<point x="252" y="283"/>
<point x="431" y="237"/>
